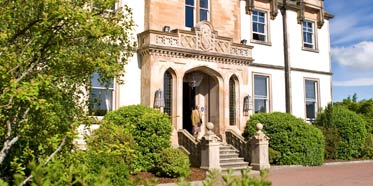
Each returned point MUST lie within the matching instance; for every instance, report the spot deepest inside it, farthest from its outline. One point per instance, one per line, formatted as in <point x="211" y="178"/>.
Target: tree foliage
<point x="48" y="50"/>
<point x="364" y="108"/>
<point x="344" y="131"/>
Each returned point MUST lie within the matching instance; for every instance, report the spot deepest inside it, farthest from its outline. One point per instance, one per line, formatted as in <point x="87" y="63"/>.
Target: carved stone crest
<point x="205" y="36"/>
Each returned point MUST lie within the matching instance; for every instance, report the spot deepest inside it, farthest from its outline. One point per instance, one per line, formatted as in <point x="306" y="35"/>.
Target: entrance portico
<point x="170" y="61"/>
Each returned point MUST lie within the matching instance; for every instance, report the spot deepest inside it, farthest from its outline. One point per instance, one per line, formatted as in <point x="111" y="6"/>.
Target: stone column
<point x="210" y="149"/>
<point x="259" y="149"/>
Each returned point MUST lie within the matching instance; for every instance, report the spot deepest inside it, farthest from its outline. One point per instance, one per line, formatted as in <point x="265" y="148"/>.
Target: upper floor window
<point x="261" y="96"/>
<point x="259" y="25"/>
<point x="167" y="91"/>
<point x="204" y="10"/>
<point x="311" y="87"/>
<point x="101" y="96"/>
<point x="196" y="9"/>
<point x="308" y="34"/>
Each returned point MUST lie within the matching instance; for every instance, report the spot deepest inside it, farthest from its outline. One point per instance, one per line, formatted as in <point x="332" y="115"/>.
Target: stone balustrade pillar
<point x="259" y="149"/>
<point x="210" y="149"/>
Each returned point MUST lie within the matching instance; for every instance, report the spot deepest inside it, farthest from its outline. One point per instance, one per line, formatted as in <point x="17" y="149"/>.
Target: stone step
<point x="228" y="152"/>
<point x="231" y="160"/>
<point x="226" y="147"/>
<point x="235" y="170"/>
<point x="234" y="165"/>
<point x="225" y="156"/>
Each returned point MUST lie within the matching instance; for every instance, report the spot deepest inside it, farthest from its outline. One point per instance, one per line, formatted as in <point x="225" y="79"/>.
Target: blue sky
<point x="352" y="47"/>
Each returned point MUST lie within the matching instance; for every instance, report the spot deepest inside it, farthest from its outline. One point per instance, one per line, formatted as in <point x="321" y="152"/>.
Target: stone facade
<point x="212" y="51"/>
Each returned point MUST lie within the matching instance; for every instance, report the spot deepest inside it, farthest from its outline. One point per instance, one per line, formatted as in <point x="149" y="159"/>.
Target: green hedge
<point x="292" y="140"/>
<point x="172" y="163"/>
<point x="345" y="132"/>
<point x="151" y="130"/>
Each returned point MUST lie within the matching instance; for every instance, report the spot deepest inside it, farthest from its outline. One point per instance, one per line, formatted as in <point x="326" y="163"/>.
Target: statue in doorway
<point x="196" y="121"/>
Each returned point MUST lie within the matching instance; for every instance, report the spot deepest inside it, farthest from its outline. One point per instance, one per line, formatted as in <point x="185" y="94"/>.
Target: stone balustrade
<point x="202" y="42"/>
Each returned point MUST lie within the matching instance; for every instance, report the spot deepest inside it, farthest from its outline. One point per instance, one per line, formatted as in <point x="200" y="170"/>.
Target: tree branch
<point x="7" y="144"/>
<point x="8" y="141"/>
<point x="48" y="159"/>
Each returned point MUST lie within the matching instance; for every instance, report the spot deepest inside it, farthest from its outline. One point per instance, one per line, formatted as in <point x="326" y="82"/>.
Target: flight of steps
<point x="229" y="159"/>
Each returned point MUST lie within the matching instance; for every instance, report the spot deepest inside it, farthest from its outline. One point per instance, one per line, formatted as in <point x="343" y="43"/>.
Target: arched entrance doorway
<point x="201" y="88"/>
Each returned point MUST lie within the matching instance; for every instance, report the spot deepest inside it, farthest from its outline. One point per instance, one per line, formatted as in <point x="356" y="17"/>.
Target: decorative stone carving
<point x="205" y="36"/>
<point x="166" y="40"/>
<point x="202" y="43"/>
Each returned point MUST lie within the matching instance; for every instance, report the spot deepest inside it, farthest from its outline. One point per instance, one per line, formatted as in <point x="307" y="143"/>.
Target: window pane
<point x="189" y="16"/>
<point x="232" y="102"/>
<point x="260" y="105"/>
<point x="261" y="19"/>
<point x="167" y="91"/>
<point x="189" y="2"/>
<point x="100" y="101"/>
<point x="261" y="28"/>
<point x="310" y="109"/>
<point x="259" y="37"/>
<point x="255" y="27"/>
<point x="96" y="83"/>
<point x="204" y="15"/>
<point x="204" y="4"/>
<point x="260" y="85"/>
<point x="310" y="89"/>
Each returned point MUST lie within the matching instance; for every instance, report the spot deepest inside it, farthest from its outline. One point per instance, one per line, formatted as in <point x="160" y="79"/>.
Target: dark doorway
<point x="189" y="95"/>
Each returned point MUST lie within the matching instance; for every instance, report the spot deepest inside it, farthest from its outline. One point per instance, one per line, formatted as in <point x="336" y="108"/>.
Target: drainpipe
<point x="286" y="58"/>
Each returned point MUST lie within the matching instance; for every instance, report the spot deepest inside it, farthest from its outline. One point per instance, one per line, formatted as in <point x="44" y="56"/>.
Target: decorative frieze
<point x="202" y="43"/>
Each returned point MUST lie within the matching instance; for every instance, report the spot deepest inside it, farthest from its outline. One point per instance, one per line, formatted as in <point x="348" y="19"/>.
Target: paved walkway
<point x="332" y="174"/>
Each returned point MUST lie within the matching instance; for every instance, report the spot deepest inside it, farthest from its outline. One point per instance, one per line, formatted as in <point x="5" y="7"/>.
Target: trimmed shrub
<point x="348" y="136"/>
<point x="113" y="139"/>
<point x="116" y="168"/>
<point x="292" y="140"/>
<point x="172" y="163"/>
<point x="150" y="128"/>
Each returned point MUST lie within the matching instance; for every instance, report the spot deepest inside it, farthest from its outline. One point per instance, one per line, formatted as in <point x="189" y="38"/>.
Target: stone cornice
<point x="156" y="50"/>
<point x="202" y="42"/>
<point x="278" y="67"/>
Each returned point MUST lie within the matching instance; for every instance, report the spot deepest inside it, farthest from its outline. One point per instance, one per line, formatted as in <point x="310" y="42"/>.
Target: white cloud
<point x="362" y="82"/>
<point x="359" y="56"/>
<point x="358" y="34"/>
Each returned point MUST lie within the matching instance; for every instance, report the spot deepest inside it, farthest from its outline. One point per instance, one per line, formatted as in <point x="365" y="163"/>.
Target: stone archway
<point x="201" y="87"/>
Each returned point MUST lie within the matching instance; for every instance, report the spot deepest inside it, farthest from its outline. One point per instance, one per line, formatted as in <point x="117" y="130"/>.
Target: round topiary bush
<point x="172" y="163"/>
<point x="292" y="140"/>
<point x="349" y="133"/>
<point x="150" y="128"/>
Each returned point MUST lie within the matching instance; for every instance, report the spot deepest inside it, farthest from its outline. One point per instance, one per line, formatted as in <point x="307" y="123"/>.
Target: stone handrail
<point x="238" y="142"/>
<point x="189" y="143"/>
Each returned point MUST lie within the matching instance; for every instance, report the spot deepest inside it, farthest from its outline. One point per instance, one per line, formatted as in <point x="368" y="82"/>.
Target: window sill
<point x="261" y="42"/>
<point x="310" y="49"/>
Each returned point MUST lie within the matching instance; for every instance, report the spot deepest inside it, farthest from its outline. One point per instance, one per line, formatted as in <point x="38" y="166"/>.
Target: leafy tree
<point x="344" y="130"/>
<point x="48" y="50"/>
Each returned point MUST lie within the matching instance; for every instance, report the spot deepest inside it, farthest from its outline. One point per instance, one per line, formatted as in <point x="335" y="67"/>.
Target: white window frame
<point x="194" y="13"/>
<point x="197" y="12"/>
<point x="265" y="25"/>
<point x="307" y="30"/>
<point x="103" y="87"/>
<point x="313" y="100"/>
<point x="206" y="9"/>
<point x="260" y="97"/>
